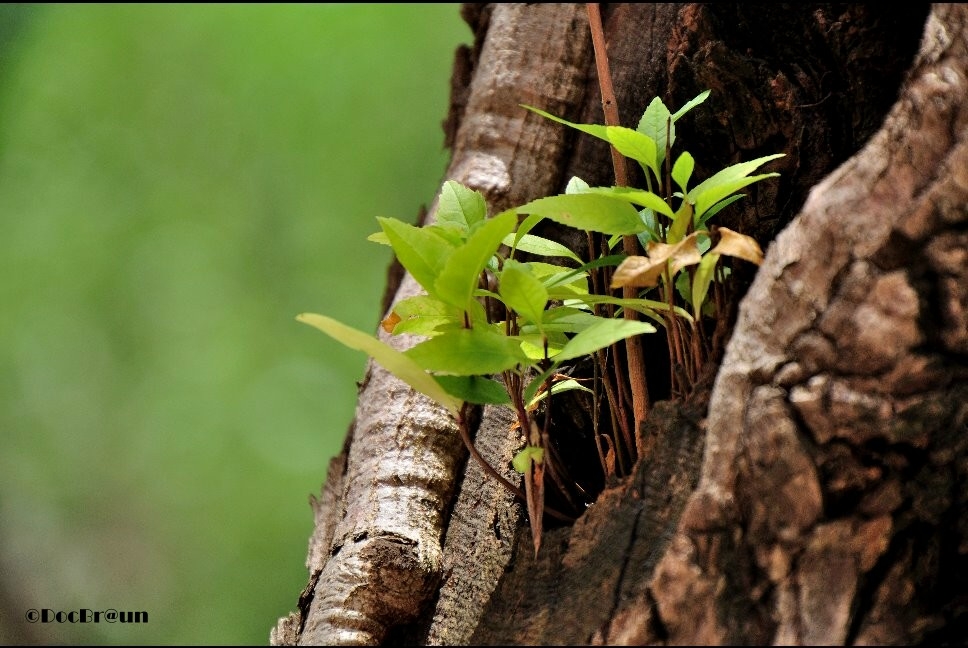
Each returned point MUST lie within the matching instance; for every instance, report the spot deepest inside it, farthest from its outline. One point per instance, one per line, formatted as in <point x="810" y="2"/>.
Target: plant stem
<point x="633" y="346"/>
<point x="490" y="470"/>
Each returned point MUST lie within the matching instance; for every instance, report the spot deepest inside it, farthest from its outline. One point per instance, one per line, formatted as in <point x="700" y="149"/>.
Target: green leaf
<point x="565" y="319"/>
<point x="647" y="307"/>
<point x="397" y="363"/>
<point x="538" y="245"/>
<point x="701" y="281"/>
<point x="522" y="460"/>
<point x="379" y="237"/>
<point x="561" y="386"/>
<point x="692" y="103"/>
<point x="636" y="145"/>
<point x="458" y="204"/>
<point x="711" y="190"/>
<point x="468" y="352"/>
<point x="715" y="209"/>
<point x="594" y="130"/>
<point x="475" y="389"/>
<point x="522" y="291"/>
<point x="600" y="335"/>
<point x="420" y="250"/>
<point x="425" y="315"/>
<point x="682" y="171"/>
<point x="657" y="123"/>
<point x="588" y="211"/>
<point x="680" y="223"/>
<point x="576" y="185"/>
<point x="460" y="274"/>
<point x="638" y="196"/>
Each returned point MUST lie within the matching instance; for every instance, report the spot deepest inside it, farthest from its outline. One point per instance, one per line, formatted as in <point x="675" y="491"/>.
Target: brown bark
<point x="819" y="494"/>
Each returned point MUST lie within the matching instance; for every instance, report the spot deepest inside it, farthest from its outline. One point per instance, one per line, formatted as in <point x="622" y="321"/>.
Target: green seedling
<point x="502" y="320"/>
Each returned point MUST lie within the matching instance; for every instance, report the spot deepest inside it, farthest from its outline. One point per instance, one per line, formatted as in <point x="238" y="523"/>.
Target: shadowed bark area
<point x="818" y="494"/>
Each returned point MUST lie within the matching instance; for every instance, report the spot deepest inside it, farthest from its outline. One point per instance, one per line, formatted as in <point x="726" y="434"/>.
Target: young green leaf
<point x="600" y="335"/>
<point x="702" y="280"/>
<point x="425" y="315"/>
<point x="699" y="222"/>
<point x="468" y="352"/>
<point x="540" y="246"/>
<point x="636" y="145"/>
<point x="397" y="363"/>
<point x="587" y="211"/>
<point x="639" y="197"/>
<point x="420" y="250"/>
<point x="460" y="205"/>
<point x="523" y="459"/>
<point x="692" y="103"/>
<point x="713" y="189"/>
<point x="461" y="271"/>
<point x="576" y="185"/>
<point x="521" y="291"/>
<point x="682" y="171"/>
<point x="656" y="122"/>
<point x="475" y="389"/>
<point x="561" y="386"/>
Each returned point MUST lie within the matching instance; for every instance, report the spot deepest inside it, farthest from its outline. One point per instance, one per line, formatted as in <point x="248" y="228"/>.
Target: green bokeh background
<point x="177" y="182"/>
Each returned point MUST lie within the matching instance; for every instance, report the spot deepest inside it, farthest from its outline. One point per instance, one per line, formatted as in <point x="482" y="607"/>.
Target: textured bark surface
<point x="819" y="495"/>
<point x="831" y="507"/>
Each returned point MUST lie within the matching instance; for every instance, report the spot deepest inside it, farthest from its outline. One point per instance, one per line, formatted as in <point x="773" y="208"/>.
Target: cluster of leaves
<point x="491" y="310"/>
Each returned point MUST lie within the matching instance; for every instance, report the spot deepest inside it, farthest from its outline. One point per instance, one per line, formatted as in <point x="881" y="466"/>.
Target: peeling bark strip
<point x="832" y="500"/>
<point x="376" y="556"/>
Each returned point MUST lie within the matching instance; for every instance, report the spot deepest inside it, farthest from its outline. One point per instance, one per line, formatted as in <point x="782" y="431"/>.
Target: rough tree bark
<point x="816" y="491"/>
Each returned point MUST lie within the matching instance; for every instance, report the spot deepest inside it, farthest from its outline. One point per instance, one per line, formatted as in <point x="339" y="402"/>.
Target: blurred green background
<point x="177" y="183"/>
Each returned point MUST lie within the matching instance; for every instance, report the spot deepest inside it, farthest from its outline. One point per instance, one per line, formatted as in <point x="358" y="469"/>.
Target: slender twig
<point x="633" y="346"/>
<point x="490" y="470"/>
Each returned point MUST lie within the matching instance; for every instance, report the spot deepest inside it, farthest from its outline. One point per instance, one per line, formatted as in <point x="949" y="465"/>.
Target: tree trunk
<point x="815" y="491"/>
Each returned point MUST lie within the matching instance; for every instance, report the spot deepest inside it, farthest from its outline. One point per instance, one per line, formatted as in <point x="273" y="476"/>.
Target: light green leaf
<point x="648" y="307"/>
<point x="379" y="237"/>
<point x="425" y="315"/>
<point x="680" y="223"/>
<point x="636" y="145"/>
<point x="468" y="352"/>
<point x="522" y="460"/>
<point x="600" y="335"/>
<point x="639" y="197"/>
<point x="702" y="280"/>
<point x="475" y="389"/>
<point x="711" y="190"/>
<point x="458" y="204"/>
<point x="460" y="273"/>
<point x="715" y="209"/>
<point x="522" y="291"/>
<point x="682" y="171"/>
<point x="561" y="386"/>
<point x="692" y="103"/>
<point x="538" y="245"/>
<point x="592" y="129"/>
<point x="588" y="211"/>
<point x="420" y="250"/>
<point x="657" y="123"/>
<point x="397" y="363"/>
<point x="576" y="185"/>
<point x="535" y="344"/>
